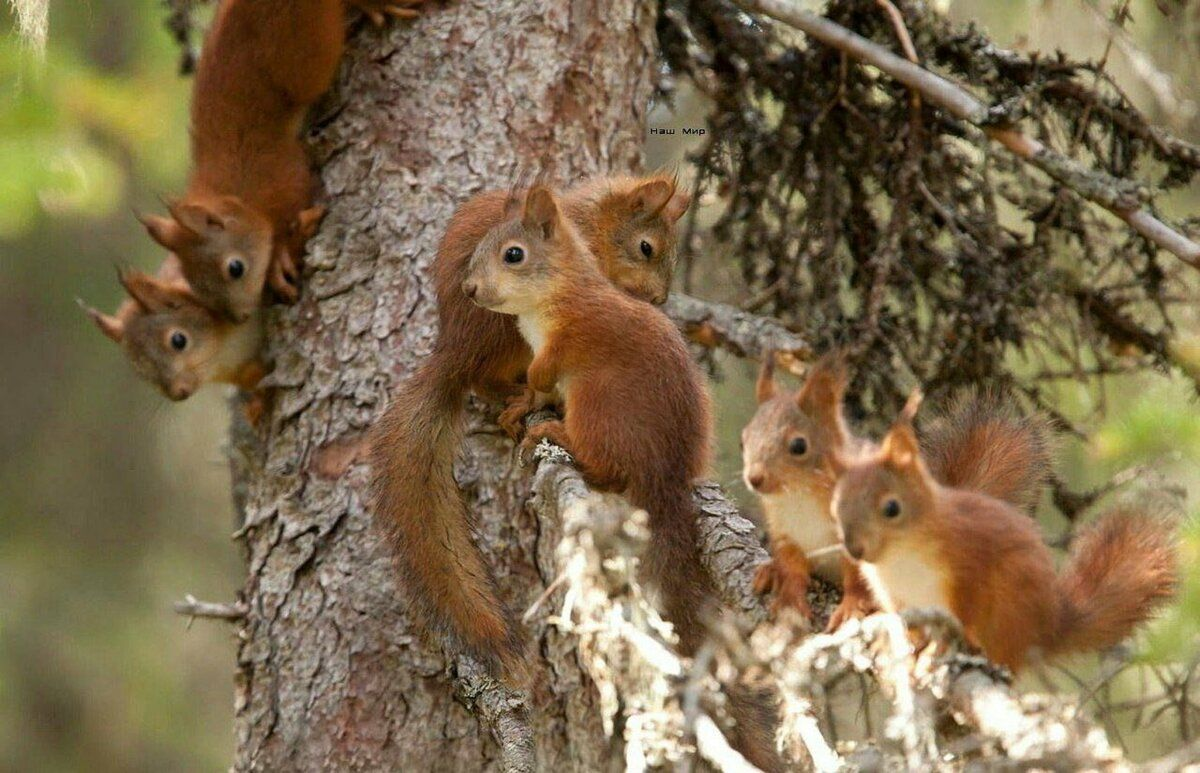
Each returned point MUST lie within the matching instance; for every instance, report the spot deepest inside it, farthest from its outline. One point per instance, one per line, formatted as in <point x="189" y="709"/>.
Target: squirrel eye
<point x="647" y="249"/>
<point x="514" y="255"/>
<point x="179" y="341"/>
<point x="236" y="268"/>
<point x="798" y="446"/>
<point x="891" y="509"/>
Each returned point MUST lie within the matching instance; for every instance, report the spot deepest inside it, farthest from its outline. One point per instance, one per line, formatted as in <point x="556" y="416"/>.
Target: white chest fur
<point x="804" y="519"/>
<point x="906" y="578"/>
<point x="242" y="346"/>
<point x="533" y="331"/>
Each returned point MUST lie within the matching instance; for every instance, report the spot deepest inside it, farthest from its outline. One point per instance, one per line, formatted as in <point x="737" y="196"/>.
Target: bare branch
<point x="504" y="710"/>
<point x="744" y="334"/>
<point x="1123" y="198"/>
<point x="190" y="607"/>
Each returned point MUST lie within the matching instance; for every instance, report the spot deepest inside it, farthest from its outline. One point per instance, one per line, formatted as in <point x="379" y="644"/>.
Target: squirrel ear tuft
<point x="909" y="412"/>
<point x="652" y="196"/>
<point x="824" y="388"/>
<point x="149" y="293"/>
<point x="167" y="231"/>
<point x="197" y="218"/>
<point x="111" y="327"/>
<point x="900" y="446"/>
<point x="676" y="206"/>
<point x="764" y="388"/>
<point x="541" y="212"/>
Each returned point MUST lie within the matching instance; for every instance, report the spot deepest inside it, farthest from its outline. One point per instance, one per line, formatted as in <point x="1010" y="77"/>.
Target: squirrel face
<point x="636" y="248"/>
<point x="170" y="339"/>
<point x="513" y="268"/>
<point x="882" y="496"/>
<point x="792" y="441"/>
<point x="224" y="248"/>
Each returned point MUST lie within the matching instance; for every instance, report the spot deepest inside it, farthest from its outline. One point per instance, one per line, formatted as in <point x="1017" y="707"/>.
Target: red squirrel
<point x="629" y="226"/>
<point x="790" y="453"/>
<point x="637" y="418"/>
<point x="248" y="210"/>
<point x="920" y="543"/>
<point x="637" y="415"/>
<point x="174" y="342"/>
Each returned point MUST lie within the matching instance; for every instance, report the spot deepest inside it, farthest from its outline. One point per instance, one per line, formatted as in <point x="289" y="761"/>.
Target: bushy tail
<point x="671" y="564"/>
<point x="984" y="442"/>
<point x="420" y="511"/>
<point x="1122" y="569"/>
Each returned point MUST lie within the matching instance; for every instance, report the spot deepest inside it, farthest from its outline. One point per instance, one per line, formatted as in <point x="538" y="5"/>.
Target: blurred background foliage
<point x="115" y="503"/>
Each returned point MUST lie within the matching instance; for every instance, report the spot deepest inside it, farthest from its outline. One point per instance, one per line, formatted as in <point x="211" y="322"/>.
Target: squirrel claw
<point x="851" y="607"/>
<point x="790" y="591"/>
<point x="512" y="418"/>
<point x="378" y="13"/>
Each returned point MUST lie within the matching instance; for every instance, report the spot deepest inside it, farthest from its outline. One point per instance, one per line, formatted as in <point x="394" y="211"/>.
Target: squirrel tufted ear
<point x="167" y="231"/>
<point x="111" y="327"/>
<point x="909" y="412"/>
<point x="151" y="295"/>
<point x="764" y="388"/>
<point x="824" y="388"/>
<point x="900" y="446"/>
<point x="197" y="217"/>
<point x="541" y="212"/>
<point x="676" y="206"/>
<point x="650" y="197"/>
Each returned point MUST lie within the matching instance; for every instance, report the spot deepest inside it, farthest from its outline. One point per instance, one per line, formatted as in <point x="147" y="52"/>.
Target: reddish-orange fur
<point x="637" y="415"/>
<point x="782" y="478"/>
<point x="997" y="575"/>
<point x="637" y="418"/>
<point x="264" y="63"/>
<point x="417" y="505"/>
<point x="983" y="442"/>
<point x="216" y="351"/>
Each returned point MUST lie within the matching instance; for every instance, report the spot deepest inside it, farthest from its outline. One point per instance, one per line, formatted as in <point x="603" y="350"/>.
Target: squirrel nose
<point x="855" y="549"/>
<point x="469" y="288"/>
<point x="755" y="479"/>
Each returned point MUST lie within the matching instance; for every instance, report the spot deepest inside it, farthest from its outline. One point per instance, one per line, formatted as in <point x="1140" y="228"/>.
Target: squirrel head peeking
<point x="635" y="241"/>
<point x="225" y="249"/>
<point x="172" y="341"/>
<point x="881" y="496"/>
<point x="515" y="266"/>
<point x="792" y="441"/>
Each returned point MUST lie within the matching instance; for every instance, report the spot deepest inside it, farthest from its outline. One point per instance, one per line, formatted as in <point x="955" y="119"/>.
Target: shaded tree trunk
<point x="330" y="673"/>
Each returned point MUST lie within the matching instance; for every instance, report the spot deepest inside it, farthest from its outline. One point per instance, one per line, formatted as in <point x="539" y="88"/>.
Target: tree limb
<point x="714" y="325"/>
<point x="1123" y="198"/>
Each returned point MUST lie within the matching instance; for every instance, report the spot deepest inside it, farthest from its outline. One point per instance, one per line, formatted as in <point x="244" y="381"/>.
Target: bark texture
<point x="330" y="674"/>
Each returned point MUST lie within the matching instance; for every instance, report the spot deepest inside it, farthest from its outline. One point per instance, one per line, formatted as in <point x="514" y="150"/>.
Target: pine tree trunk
<point x="330" y="674"/>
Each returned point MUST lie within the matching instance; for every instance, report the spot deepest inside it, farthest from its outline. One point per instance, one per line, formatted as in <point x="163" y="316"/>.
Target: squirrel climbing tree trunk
<point x="331" y="674"/>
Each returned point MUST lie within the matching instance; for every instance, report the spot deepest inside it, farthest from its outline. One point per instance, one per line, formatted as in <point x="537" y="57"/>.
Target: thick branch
<point x="714" y="325"/>
<point x="1121" y="197"/>
<point x="623" y="644"/>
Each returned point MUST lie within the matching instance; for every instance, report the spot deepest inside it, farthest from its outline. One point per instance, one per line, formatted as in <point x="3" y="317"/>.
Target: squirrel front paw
<point x="553" y="431"/>
<point x="512" y="418"/>
<point x="284" y="277"/>
<point x="789" y="589"/>
<point x="379" y="10"/>
<point x="854" y="605"/>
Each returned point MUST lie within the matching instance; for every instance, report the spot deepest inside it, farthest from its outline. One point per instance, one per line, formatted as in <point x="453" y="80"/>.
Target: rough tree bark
<point x="330" y="674"/>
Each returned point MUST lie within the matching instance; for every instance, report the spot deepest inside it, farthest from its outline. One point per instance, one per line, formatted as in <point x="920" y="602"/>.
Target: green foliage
<point x="73" y="135"/>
